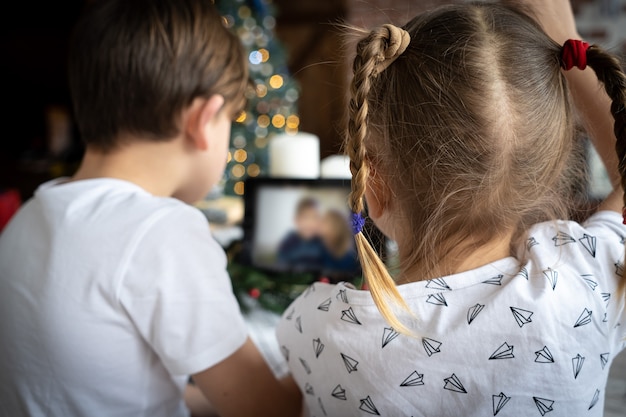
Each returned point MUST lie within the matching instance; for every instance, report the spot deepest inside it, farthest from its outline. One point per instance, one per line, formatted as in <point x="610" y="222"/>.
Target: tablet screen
<point x="300" y="226"/>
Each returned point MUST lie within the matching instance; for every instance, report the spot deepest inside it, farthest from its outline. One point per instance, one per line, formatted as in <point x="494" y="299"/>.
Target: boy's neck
<point x="154" y="166"/>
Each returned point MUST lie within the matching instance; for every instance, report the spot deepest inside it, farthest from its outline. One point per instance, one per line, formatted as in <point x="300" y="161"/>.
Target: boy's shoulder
<point x="105" y="210"/>
<point x="106" y="199"/>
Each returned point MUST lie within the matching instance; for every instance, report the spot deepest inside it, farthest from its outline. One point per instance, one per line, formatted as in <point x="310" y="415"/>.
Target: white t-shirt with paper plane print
<point x="512" y="338"/>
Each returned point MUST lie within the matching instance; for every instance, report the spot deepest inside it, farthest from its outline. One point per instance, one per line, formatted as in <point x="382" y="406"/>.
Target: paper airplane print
<point x="577" y="364"/>
<point x="306" y="366"/>
<point x="473" y="312"/>
<point x="604" y="359"/>
<point x="524" y="273"/>
<point x="325" y="305"/>
<point x="285" y="352"/>
<point x="544" y="405"/>
<point x="505" y="351"/>
<point x="544" y="356"/>
<point x="552" y="277"/>
<point x="583" y="319"/>
<point x="499" y="401"/>
<point x="437" y="299"/>
<point x="368" y="406"/>
<point x="342" y="296"/>
<point x="590" y="281"/>
<point x="437" y="284"/>
<point x="431" y="346"/>
<point x="339" y="393"/>
<point x="308" y="388"/>
<point x="414" y="380"/>
<point x="350" y="363"/>
<point x="299" y="323"/>
<point x="606" y="296"/>
<point x="497" y="280"/>
<point x="521" y="316"/>
<point x="563" y="238"/>
<point x="594" y="400"/>
<point x="321" y="404"/>
<point x="589" y="243"/>
<point x="290" y="315"/>
<point x="349" y="316"/>
<point x="619" y="268"/>
<point x="453" y="383"/>
<point x="531" y="242"/>
<point x="318" y="347"/>
<point x="388" y="335"/>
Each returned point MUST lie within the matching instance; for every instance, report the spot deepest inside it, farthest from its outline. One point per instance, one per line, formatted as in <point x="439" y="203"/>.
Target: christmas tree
<point x="271" y="103"/>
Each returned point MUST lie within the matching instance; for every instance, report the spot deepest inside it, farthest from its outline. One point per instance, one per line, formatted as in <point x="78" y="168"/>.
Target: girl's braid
<point x="609" y="71"/>
<point x="374" y="54"/>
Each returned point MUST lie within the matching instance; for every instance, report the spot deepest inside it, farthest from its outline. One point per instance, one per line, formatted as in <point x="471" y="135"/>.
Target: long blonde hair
<point x="470" y="128"/>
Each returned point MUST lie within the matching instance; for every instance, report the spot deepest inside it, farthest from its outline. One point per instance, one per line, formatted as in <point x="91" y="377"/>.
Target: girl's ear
<point x="201" y="114"/>
<point x="377" y="195"/>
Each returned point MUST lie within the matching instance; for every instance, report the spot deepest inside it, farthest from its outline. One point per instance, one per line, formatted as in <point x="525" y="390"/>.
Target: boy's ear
<point x="202" y="113"/>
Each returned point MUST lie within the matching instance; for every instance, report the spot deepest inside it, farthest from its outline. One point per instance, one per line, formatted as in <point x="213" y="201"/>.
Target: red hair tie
<point x="574" y="54"/>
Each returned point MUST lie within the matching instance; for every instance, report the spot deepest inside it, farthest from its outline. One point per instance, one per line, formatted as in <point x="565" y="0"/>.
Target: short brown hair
<point x="307" y="203"/>
<point x="135" y="65"/>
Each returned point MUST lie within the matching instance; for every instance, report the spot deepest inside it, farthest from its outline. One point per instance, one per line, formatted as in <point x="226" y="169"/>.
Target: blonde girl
<point x="461" y="138"/>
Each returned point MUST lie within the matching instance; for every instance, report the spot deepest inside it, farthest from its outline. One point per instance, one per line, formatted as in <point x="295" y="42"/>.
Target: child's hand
<point x="555" y="16"/>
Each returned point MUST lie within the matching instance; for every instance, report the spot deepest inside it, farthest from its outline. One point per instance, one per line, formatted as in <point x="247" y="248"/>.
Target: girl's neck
<point x="492" y="251"/>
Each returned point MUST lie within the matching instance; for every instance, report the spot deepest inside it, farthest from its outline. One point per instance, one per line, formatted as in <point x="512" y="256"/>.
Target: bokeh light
<point x="240" y="155"/>
<point x="276" y="81"/>
<point x="254" y="170"/>
<point x="278" y="121"/>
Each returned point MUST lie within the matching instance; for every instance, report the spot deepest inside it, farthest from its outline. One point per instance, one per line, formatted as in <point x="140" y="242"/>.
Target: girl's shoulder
<point x="599" y="237"/>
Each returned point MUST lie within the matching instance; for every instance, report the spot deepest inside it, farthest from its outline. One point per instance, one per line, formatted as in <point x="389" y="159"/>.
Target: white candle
<point x="336" y="166"/>
<point x="295" y="156"/>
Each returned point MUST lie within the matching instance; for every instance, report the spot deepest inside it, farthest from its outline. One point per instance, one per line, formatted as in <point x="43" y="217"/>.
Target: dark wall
<point x="33" y="48"/>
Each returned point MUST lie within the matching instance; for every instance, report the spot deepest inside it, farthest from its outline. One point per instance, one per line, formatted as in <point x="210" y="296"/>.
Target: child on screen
<point x="461" y="137"/>
<point x="301" y="249"/>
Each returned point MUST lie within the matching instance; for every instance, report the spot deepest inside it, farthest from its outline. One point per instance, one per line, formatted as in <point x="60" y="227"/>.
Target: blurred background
<point x="298" y="63"/>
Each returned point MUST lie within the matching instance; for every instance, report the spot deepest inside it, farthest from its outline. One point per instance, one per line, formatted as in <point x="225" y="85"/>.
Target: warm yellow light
<point x="263" y="120"/>
<point x="229" y="157"/>
<point x="240" y="155"/>
<point x="238" y="171"/>
<point x="291" y="130"/>
<point x="242" y="117"/>
<point x="239" y="188"/>
<point x="261" y="90"/>
<point x="265" y="54"/>
<point x="278" y="121"/>
<point x="254" y="170"/>
<point x="293" y="121"/>
<point x="276" y="81"/>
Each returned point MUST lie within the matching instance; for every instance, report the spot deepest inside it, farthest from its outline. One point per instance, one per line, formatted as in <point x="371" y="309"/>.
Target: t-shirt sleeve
<point x="178" y="294"/>
<point x="604" y="237"/>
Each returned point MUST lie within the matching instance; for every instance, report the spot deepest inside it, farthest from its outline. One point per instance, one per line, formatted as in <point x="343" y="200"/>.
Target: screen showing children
<point x="300" y="226"/>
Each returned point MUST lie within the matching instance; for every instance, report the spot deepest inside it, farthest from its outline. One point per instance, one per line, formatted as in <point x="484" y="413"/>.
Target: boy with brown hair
<point x="112" y="290"/>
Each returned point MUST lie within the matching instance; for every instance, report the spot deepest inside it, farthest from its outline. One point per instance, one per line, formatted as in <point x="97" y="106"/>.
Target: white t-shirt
<point x="109" y="299"/>
<point x="508" y="339"/>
